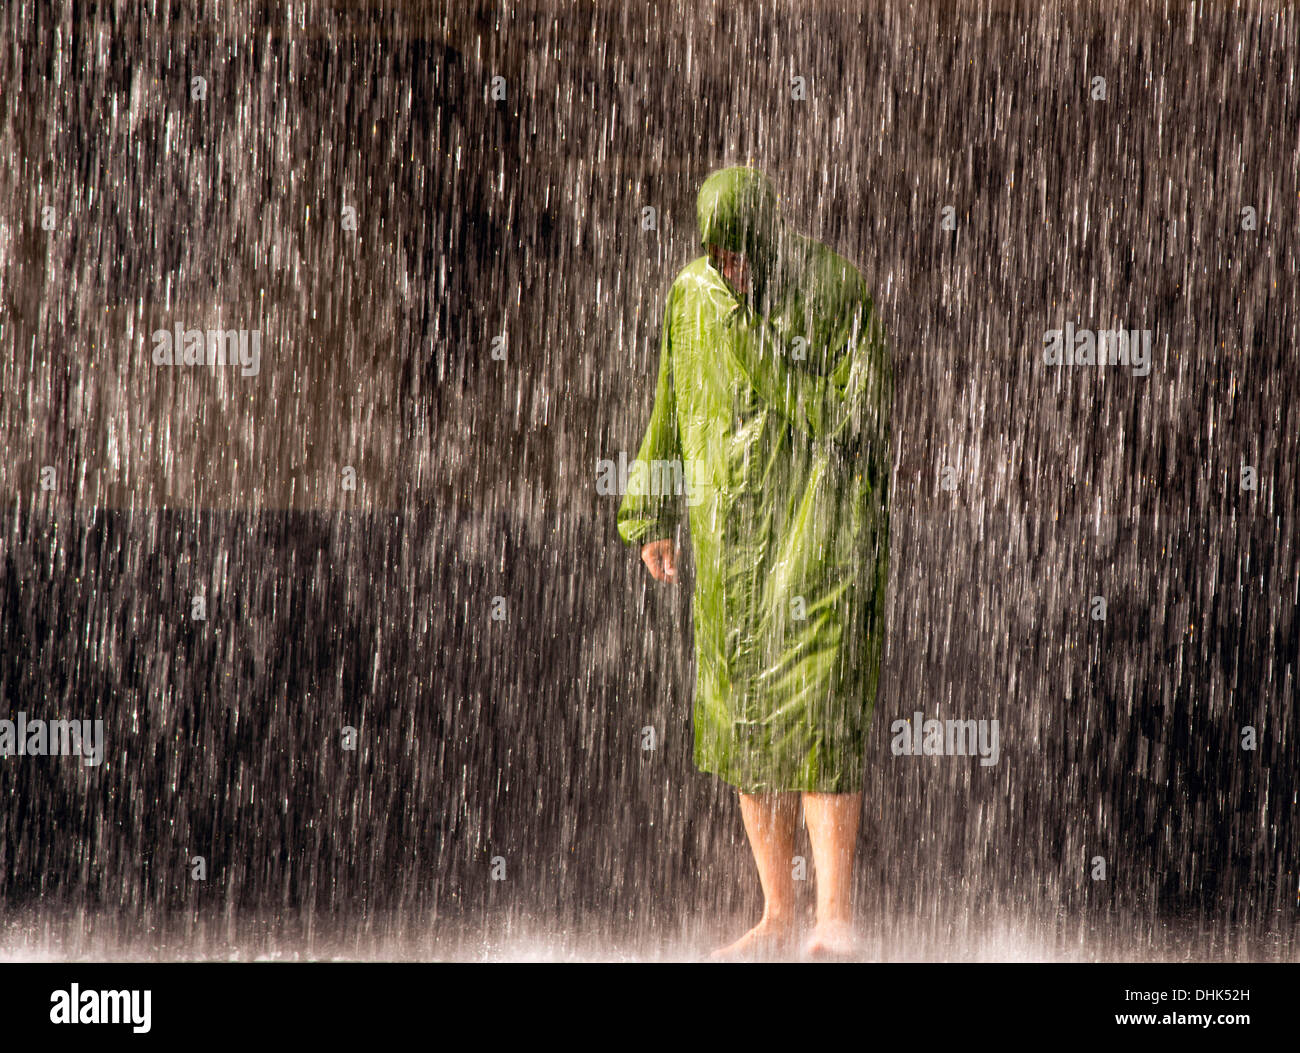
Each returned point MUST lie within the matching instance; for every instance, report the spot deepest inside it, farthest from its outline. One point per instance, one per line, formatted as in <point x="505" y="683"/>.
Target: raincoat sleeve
<point x="645" y="516"/>
<point x="847" y="401"/>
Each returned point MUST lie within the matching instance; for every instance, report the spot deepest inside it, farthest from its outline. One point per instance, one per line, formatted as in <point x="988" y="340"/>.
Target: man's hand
<point x="660" y="558"/>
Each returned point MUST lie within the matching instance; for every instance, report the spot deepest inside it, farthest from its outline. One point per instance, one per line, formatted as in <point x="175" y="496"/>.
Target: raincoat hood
<point x="737" y="210"/>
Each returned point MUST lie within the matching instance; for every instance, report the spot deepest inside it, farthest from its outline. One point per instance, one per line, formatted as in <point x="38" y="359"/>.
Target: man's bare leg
<point x="770" y="822"/>
<point x="832" y="820"/>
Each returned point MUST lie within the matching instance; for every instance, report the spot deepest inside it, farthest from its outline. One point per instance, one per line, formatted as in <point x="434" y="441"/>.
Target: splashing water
<point x="373" y="669"/>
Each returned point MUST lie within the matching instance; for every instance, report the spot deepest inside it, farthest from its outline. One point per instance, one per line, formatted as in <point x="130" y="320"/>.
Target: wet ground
<point x="372" y="608"/>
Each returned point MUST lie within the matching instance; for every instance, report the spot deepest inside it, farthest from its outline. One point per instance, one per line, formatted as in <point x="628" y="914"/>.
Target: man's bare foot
<point x="767" y="939"/>
<point x="833" y="941"/>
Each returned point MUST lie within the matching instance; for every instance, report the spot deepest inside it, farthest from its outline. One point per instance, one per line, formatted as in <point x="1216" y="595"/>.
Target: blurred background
<point x="459" y="293"/>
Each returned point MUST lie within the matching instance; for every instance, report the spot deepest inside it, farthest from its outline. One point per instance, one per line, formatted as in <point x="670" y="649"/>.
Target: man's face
<point x="731" y="265"/>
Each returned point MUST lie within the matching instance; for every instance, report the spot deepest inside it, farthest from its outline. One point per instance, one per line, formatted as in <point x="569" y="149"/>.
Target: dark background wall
<point x="476" y="476"/>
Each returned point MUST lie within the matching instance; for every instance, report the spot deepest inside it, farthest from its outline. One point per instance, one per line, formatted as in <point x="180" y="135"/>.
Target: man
<point x="774" y="395"/>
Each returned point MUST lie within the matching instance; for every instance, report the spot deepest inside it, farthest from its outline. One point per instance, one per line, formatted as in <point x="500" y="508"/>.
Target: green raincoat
<point x="771" y="429"/>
